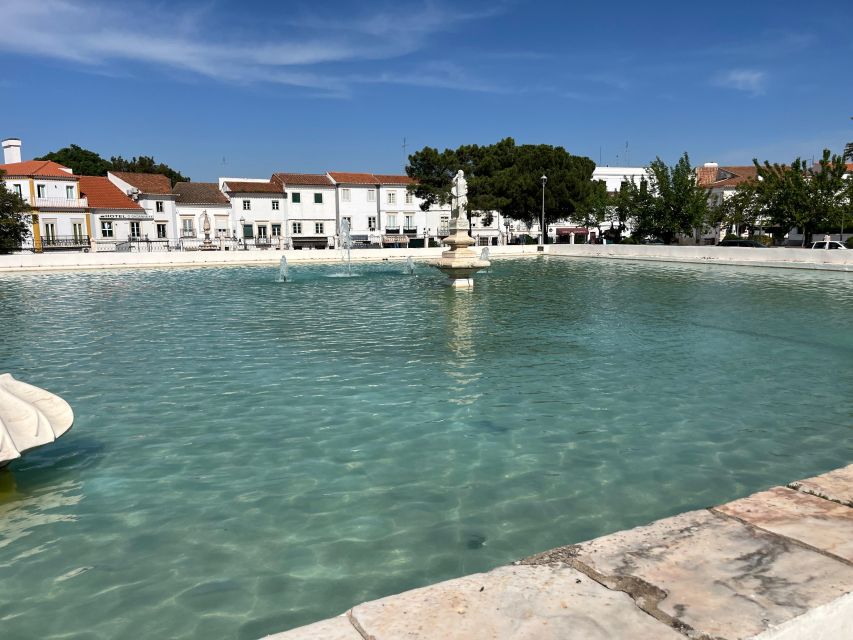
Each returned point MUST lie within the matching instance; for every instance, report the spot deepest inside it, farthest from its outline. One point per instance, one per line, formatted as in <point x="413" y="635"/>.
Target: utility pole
<point x="405" y="154"/>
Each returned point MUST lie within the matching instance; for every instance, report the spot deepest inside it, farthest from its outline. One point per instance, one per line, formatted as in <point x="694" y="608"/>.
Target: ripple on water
<point x="251" y="455"/>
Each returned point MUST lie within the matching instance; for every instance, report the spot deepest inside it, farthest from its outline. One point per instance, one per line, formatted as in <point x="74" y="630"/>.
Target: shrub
<point x="849" y="243"/>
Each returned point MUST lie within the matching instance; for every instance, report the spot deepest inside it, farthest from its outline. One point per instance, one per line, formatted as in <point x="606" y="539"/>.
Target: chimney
<point x="711" y="165"/>
<point x="11" y="150"/>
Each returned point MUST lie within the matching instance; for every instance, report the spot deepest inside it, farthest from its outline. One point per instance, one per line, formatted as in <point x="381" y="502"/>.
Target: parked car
<point x="742" y="243"/>
<point x="832" y="244"/>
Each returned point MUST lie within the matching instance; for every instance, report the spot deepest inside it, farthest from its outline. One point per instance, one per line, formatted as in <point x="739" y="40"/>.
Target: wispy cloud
<point x="97" y="36"/>
<point x="750" y="81"/>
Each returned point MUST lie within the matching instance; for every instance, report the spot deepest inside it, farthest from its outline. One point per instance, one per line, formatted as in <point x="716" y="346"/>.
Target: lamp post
<point x="243" y="232"/>
<point x="542" y="220"/>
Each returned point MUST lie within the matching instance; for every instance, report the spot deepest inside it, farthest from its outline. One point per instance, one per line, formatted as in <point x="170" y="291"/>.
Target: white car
<point x="831" y="244"/>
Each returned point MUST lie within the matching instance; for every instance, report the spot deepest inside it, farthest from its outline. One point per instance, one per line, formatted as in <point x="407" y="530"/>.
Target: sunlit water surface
<point x="249" y="455"/>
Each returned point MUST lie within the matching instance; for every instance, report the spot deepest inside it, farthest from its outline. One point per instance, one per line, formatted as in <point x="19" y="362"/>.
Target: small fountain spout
<point x="282" y="269"/>
<point x="484" y="254"/>
<point x="410" y="266"/>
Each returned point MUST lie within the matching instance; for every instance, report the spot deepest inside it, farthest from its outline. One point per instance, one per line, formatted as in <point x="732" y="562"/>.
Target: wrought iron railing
<point x="64" y="242"/>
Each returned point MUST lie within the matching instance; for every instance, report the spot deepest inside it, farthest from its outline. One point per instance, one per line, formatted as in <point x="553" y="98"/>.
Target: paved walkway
<point x="777" y="565"/>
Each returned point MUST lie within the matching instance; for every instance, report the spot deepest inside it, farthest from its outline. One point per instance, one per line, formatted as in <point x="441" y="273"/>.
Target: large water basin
<point x="249" y="455"/>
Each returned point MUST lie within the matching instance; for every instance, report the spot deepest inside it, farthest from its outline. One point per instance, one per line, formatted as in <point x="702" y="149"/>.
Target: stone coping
<point x="776" y="565"/>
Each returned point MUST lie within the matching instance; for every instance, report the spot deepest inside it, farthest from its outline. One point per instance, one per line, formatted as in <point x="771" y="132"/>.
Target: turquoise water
<point x="249" y="456"/>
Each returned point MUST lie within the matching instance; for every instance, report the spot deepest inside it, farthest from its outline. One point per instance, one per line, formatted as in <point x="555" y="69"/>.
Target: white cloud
<point x="748" y="80"/>
<point x="102" y="36"/>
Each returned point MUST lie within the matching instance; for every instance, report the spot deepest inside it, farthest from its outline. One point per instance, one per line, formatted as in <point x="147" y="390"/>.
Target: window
<point x="158" y="206"/>
<point x="161" y="230"/>
<point x="106" y="229"/>
<point x="275" y="205"/>
<point x="17" y="188"/>
<point x="135" y="231"/>
<point x="297" y="227"/>
<point x="410" y="222"/>
<point x="247" y="205"/>
<point x="371" y="223"/>
<point x="69" y="192"/>
<point x="318" y="228"/>
<point x="371" y="195"/>
<point x="40" y="190"/>
<point x="391" y="221"/>
<point x="187" y="230"/>
<point x="392" y="197"/>
<point x="50" y="232"/>
<point x="346" y="195"/>
<point x="443" y="225"/>
<point x="248" y="231"/>
<point x="296" y="197"/>
<point x="262" y="231"/>
<point x="276" y="231"/>
<point x="77" y="231"/>
<point x="410" y="197"/>
<point x="318" y="198"/>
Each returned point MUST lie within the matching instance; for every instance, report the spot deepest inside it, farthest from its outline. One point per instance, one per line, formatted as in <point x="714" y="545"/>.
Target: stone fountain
<point x="460" y="262"/>
<point x="29" y="418"/>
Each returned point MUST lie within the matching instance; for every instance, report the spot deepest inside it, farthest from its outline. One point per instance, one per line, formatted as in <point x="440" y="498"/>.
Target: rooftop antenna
<point x="405" y="154"/>
<point x="599" y="155"/>
<point x="627" y="157"/>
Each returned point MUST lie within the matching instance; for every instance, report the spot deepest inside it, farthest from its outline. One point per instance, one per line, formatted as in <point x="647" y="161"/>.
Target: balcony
<point x="61" y="203"/>
<point x="410" y="230"/>
<point x="392" y="230"/>
<point x="64" y="242"/>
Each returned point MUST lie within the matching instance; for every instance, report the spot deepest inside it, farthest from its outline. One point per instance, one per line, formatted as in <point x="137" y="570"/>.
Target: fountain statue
<point x="460" y="263"/>
<point x="207" y="245"/>
<point x="29" y="418"/>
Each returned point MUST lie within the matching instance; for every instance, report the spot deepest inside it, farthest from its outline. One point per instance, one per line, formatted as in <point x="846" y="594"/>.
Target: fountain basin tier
<point x="460" y="269"/>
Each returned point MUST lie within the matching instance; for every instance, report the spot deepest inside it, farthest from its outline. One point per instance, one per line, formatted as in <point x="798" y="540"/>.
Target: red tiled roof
<point x="314" y="179"/>
<point x="155" y="183"/>
<point x="199" y="193"/>
<point x="385" y="179"/>
<point x="103" y="194"/>
<point x="721" y="177"/>
<point x="353" y="178"/>
<point x="242" y="186"/>
<point x="37" y="168"/>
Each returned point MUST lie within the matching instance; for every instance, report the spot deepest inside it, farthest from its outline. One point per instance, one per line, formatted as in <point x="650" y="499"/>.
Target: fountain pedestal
<point x="460" y="263"/>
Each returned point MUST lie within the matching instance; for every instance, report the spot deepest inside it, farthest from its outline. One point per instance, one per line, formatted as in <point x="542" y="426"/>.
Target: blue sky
<point x="224" y="88"/>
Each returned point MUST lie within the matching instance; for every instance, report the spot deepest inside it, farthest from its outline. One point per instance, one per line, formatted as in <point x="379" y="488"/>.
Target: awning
<point x="566" y="231"/>
<point x="398" y="239"/>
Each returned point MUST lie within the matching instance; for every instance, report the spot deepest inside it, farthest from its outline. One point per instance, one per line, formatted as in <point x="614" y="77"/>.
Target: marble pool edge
<point x="775" y="565"/>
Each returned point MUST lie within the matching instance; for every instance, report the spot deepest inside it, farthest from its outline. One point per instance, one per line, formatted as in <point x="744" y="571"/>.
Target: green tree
<point x="741" y="210"/>
<point x="14" y="219"/>
<point x="81" y="161"/>
<point x="505" y="177"/>
<point x="146" y="164"/>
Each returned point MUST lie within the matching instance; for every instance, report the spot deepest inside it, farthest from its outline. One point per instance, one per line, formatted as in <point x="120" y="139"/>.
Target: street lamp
<point x="542" y="220"/>
<point x="243" y="232"/>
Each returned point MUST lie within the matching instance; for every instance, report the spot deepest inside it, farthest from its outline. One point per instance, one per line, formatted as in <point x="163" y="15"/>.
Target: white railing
<point x="62" y="203"/>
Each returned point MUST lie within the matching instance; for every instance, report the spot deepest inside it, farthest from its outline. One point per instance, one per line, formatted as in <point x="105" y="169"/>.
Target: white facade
<point x="613" y="177"/>
<point x="311" y="215"/>
<point x="159" y="206"/>
<point x="257" y="212"/>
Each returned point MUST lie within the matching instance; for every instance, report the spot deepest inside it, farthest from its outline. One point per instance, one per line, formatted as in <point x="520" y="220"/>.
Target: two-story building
<point x="258" y="211"/>
<point x="119" y="223"/>
<point x="311" y="214"/>
<point x="195" y="199"/>
<point x="153" y="192"/>
<point x="59" y="217"/>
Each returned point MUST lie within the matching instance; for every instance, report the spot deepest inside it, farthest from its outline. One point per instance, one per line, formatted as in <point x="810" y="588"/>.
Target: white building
<point x="59" y="218"/>
<point x="310" y="209"/>
<point x="153" y="192"/>
<point x="358" y="198"/>
<point x="257" y="207"/>
<point x="118" y="222"/>
<point x="195" y="199"/>
<point x="615" y="177"/>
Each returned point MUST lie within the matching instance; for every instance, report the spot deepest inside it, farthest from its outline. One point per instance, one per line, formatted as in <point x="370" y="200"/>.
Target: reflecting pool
<point x="250" y="455"/>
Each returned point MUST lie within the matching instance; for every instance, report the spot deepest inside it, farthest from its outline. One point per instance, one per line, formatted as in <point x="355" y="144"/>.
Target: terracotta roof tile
<point x="313" y="179"/>
<point x="386" y="179"/>
<point x="728" y="176"/>
<point x="353" y="178"/>
<point x="103" y="194"/>
<point x="242" y="186"/>
<point x="199" y="193"/>
<point x="155" y="183"/>
<point x="37" y="168"/>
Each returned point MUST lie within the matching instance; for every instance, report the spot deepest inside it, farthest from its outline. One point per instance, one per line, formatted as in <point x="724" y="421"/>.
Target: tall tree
<point x="146" y="164"/>
<point x="740" y="210"/>
<point x="505" y="177"/>
<point x="672" y="202"/>
<point x="14" y="219"/>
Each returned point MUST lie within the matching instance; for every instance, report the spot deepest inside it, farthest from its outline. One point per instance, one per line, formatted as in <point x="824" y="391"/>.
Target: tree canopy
<point x="84" y="162"/>
<point x="14" y="218"/>
<point x="506" y="177"/>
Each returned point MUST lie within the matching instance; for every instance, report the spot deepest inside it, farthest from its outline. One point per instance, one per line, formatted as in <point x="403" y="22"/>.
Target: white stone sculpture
<point x="29" y="418"/>
<point x="460" y="263"/>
